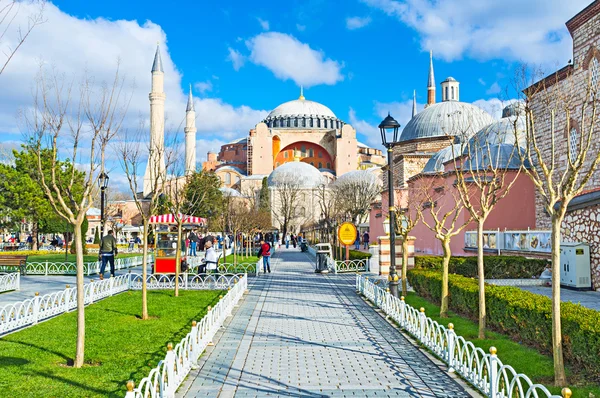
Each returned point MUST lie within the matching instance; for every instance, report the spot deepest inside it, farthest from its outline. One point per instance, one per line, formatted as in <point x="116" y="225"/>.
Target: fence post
<point x="129" y="282"/>
<point x="493" y="388"/>
<point x="46" y="269"/>
<point x="402" y="320"/>
<point x="130" y="387"/>
<point x="422" y="321"/>
<point x="18" y="287"/>
<point x="36" y="308"/>
<point x="194" y="345"/>
<point x="170" y="365"/>
<point x="91" y="291"/>
<point x="67" y="297"/>
<point x="111" y="285"/>
<point x="451" y="336"/>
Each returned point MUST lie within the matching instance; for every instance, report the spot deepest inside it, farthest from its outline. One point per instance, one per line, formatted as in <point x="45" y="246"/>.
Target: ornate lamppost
<point x="389" y="126"/>
<point x="103" y="184"/>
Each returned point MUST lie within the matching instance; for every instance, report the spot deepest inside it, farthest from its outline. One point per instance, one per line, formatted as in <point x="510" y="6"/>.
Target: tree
<point x="97" y="236"/>
<point x="330" y="211"/>
<point x="286" y="197"/>
<point x="65" y="118"/>
<point x="202" y="194"/>
<point x="557" y="107"/>
<point x="264" y="199"/>
<point x="485" y="177"/>
<point x="355" y="192"/>
<point x="9" y="9"/>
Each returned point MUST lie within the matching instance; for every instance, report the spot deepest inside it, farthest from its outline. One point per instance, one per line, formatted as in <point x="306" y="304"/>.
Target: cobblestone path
<point x="300" y="334"/>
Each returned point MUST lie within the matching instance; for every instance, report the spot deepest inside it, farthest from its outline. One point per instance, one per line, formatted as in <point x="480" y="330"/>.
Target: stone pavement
<point x="306" y="335"/>
<point x="589" y="299"/>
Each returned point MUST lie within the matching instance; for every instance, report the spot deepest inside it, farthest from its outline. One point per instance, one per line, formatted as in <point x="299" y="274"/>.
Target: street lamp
<point x="103" y="184"/>
<point x="389" y="127"/>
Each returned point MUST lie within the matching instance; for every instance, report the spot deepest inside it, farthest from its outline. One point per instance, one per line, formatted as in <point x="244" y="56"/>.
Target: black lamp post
<point x="389" y="126"/>
<point x="103" y="184"/>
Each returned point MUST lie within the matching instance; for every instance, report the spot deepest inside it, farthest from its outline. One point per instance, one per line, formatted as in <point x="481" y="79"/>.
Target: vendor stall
<point x="165" y="227"/>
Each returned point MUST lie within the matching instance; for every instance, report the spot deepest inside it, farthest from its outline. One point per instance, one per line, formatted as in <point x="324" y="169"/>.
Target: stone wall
<point x="583" y="225"/>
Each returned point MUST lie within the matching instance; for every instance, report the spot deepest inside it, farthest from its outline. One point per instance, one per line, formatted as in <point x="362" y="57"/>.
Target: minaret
<point x="190" y="135"/>
<point x="414" y="111"/>
<point x="156" y="155"/>
<point x="430" y="82"/>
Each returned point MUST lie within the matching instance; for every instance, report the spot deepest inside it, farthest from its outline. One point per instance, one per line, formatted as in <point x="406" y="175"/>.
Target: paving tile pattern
<point x="305" y="335"/>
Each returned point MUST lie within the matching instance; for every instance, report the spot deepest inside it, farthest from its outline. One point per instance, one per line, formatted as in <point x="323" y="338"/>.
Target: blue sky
<point x="361" y="58"/>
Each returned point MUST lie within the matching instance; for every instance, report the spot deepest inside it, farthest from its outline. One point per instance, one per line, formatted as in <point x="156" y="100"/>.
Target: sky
<point x="361" y="58"/>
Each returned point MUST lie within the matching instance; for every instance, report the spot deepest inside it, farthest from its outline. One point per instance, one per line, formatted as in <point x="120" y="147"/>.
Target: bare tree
<point x="78" y="129"/>
<point x="286" y="195"/>
<point x="442" y="212"/>
<point x="330" y="211"/>
<point x="486" y="168"/>
<point x="355" y="191"/>
<point x="9" y="10"/>
<point x="561" y="105"/>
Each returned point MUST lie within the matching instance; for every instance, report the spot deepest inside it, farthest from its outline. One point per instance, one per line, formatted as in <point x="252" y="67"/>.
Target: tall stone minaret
<point x="190" y="135"/>
<point x="156" y="156"/>
<point x="430" y="82"/>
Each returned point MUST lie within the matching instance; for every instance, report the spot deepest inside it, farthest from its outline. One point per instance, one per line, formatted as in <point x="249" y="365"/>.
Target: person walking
<point x="108" y="252"/>
<point x="287" y="241"/>
<point x="193" y="238"/>
<point x="294" y="242"/>
<point x="366" y="240"/>
<point x="265" y="253"/>
<point x="357" y="242"/>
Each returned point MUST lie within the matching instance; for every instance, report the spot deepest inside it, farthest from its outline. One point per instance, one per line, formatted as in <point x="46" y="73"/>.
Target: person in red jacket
<point x="265" y="253"/>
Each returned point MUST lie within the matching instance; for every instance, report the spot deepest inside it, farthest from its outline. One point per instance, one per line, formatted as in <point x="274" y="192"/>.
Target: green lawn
<point x="523" y="359"/>
<point x="119" y="346"/>
<point x="240" y="259"/>
<point x="71" y="257"/>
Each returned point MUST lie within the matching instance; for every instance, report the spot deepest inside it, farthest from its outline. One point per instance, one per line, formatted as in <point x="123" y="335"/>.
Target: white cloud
<point x="494" y="89"/>
<point x="236" y="58"/>
<point x="224" y="120"/>
<point x="264" y="24"/>
<point x="493" y="106"/>
<point x="353" y="23"/>
<point x="369" y="131"/>
<point x="204" y="87"/>
<point x="401" y="111"/>
<point x="531" y="31"/>
<point x="289" y="58"/>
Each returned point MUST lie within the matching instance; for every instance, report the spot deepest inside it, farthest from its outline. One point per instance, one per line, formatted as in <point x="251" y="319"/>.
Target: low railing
<point x="226" y="268"/>
<point x="31" y="311"/>
<point x="484" y="371"/>
<point x="89" y="268"/>
<point x="10" y="281"/>
<point x="351" y="266"/>
<point x="165" y="378"/>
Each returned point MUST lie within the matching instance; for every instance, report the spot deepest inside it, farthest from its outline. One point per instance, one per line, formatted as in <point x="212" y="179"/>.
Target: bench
<point x="14" y="261"/>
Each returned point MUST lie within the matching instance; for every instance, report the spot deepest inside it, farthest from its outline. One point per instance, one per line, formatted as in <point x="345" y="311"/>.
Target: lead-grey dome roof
<point x="435" y="164"/>
<point x="504" y="131"/>
<point x="358" y="177"/>
<point x="301" y="175"/>
<point x="449" y="118"/>
<point x="498" y="156"/>
<point x="230" y="192"/>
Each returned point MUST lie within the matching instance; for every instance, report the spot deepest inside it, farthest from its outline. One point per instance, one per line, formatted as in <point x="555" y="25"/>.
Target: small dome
<point x="498" y="156"/>
<point x="301" y="174"/>
<point x="514" y="109"/>
<point x="504" y="131"/>
<point x="451" y="118"/>
<point x="449" y="79"/>
<point x="230" y="192"/>
<point x="435" y="164"/>
<point x="357" y="176"/>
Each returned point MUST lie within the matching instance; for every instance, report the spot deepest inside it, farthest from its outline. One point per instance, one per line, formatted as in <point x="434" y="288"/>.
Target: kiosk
<point x="165" y="232"/>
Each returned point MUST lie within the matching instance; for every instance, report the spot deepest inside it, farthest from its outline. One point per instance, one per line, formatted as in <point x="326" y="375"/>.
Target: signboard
<point x="347" y="233"/>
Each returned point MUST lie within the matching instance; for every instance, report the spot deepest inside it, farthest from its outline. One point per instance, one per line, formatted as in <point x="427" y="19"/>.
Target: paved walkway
<point x="305" y="335"/>
<point x="590" y="299"/>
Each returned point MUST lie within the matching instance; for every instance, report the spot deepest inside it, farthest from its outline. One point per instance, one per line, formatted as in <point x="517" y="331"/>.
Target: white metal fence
<point x="226" y="268"/>
<point x="165" y="378"/>
<point x="29" y="312"/>
<point x="10" y="281"/>
<point x="484" y="371"/>
<point x="351" y="266"/>
<point x="90" y="268"/>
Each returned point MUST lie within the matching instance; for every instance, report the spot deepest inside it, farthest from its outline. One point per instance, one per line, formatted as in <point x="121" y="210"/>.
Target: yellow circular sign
<point x="347" y="233"/>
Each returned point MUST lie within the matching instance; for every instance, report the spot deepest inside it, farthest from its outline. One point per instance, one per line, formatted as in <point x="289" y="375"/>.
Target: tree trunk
<point x="404" y="265"/>
<point x="234" y="254"/>
<point x="446" y="262"/>
<point x="79" y="353"/>
<point x="145" y="272"/>
<point x="34" y="236"/>
<point x="481" y="276"/>
<point x="178" y="258"/>
<point x="560" y="378"/>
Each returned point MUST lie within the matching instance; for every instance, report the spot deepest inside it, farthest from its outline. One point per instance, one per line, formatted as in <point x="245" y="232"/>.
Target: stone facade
<point x="583" y="225"/>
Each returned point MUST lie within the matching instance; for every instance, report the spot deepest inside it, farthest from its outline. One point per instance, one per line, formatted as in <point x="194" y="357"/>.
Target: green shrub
<point x="354" y="255"/>
<point x="495" y="267"/>
<point x="525" y="316"/>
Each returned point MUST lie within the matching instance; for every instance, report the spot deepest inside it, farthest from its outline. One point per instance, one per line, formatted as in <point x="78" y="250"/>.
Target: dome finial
<point x="301" y="93"/>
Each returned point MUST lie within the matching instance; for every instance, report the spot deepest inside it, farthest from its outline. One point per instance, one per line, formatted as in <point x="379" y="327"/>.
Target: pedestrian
<point x="357" y="242"/>
<point x="265" y="253"/>
<point x="108" y="252"/>
<point x="193" y="238"/>
<point x="287" y="241"/>
<point x="226" y="239"/>
<point x="131" y="244"/>
<point x="210" y="258"/>
<point x="366" y="239"/>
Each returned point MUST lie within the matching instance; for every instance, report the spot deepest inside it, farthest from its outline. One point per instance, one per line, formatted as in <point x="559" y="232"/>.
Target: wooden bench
<point x="15" y="261"/>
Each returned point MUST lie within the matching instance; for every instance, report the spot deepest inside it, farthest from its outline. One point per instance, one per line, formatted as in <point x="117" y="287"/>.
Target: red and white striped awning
<point x="171" y="219"/>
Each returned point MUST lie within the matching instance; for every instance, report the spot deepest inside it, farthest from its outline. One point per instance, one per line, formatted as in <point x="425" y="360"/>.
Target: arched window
<point x="446" y="96"/>
<point x="228" y="178"/>
<point x="337" y="124"/>
<point x="329" y="165"/>
<point x="595" y="76"/>
<point x="311" y="153"/>
<point x="311" y="122"/>
<point x="236" y="178"/>
<point x="288" y="122"/>
<point x="573" y="143"/>
<point x="285" y="154"/>
<point x="320" y="154"/>
<point x="320" y="165"/>
<point x="303" y="122"/>
<point x="452" y="91"/>
<point x="318" y="122"/>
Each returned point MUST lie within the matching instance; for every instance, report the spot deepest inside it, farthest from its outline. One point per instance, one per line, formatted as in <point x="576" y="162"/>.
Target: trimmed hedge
<point x="495" y="267"/>
<point x="354" y="255"/>
<point x="525" y="316"/>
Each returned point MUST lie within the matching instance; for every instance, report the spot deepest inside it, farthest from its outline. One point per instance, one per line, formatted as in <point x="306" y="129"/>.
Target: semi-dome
<point x="435" y="164"/>
<point x="448" y="118"/>
<point x="300" y="174"/>
<point x="302" y="113"/>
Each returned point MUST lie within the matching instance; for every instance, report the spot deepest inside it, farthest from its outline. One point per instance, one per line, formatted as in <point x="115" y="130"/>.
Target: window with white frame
<point x="573" y="143"/>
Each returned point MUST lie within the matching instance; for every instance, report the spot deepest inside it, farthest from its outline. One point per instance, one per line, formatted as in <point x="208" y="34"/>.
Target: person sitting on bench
<point x="210" y="259"/>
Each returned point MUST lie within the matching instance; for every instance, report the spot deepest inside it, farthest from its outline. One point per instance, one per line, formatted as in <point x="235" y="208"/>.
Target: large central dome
<point x="301" y="107"/>
<point x="304" y="114"/>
